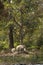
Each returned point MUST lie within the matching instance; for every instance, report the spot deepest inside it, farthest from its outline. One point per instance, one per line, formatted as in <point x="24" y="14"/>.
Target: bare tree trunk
<point x="21" y="28"/>
<point x="21" y="34"/>
<point x="11" y="45"/>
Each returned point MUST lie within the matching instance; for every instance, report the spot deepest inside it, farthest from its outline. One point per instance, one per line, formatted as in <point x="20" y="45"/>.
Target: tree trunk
<point x="21" y="28"/>
<point x="11" y="45"/>
<point x="21" y="34"/>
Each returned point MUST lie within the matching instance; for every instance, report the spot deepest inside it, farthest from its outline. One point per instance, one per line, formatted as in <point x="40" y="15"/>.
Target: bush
<point x="33" y="58"/>
<point x="3" y="45"/>
<point x="41" y="48"/>
<point x="16" y="44"/>
<point x="34" y="47"/>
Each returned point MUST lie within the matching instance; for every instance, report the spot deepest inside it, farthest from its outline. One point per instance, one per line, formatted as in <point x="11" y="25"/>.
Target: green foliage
<point x="4" y="45"/>
<point x="41" y="48"/>
<point x="26" y="16"/>
<point x="16" y="44"/>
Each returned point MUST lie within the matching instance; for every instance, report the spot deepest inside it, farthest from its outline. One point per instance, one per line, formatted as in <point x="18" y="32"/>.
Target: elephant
<point x="21" y="49"/>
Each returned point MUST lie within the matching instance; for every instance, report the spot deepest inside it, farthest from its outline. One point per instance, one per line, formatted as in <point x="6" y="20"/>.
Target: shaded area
<point x="22" y="58"/>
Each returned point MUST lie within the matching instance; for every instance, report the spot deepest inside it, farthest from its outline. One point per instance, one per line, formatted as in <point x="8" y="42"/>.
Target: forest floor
<point x="22" y="57"/>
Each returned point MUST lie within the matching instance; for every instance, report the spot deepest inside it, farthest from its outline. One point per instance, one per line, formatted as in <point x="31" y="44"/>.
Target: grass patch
<point x="21" y="58"/>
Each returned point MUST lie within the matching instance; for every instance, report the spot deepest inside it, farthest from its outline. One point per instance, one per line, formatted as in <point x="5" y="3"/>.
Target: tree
<point x="23" y="16"/>
<point x="11" y="45"/>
